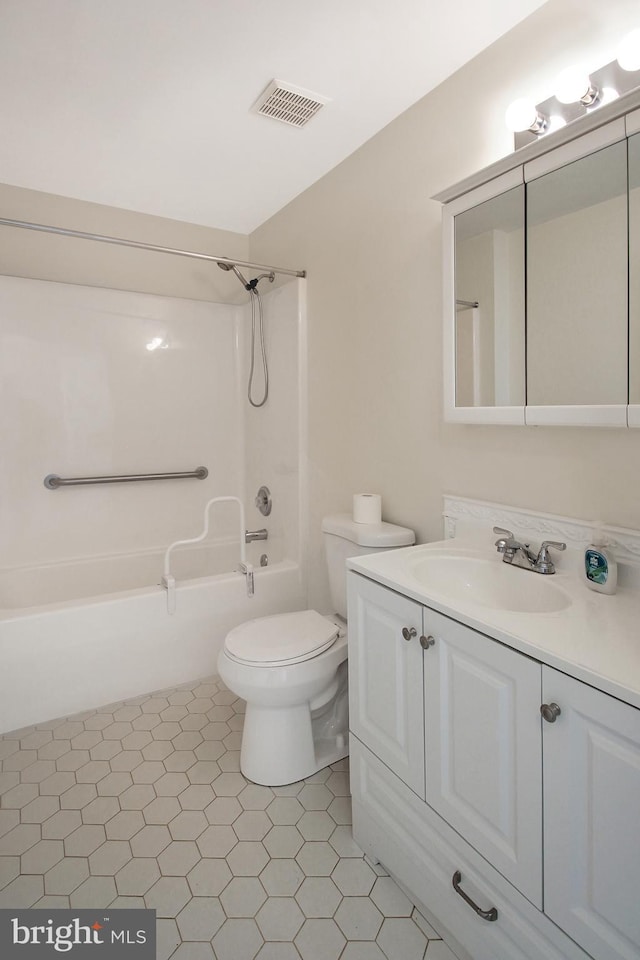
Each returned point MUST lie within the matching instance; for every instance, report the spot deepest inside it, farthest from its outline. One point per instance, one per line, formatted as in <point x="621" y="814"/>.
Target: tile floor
<point x="142" y="803"/>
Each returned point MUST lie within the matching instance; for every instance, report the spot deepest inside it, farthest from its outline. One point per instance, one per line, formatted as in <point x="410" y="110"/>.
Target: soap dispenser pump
<point x="600" y="566"/>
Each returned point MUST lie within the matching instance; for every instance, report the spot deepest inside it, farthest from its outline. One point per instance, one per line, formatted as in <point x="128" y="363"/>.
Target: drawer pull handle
<point x="426" y="642"/>
<point x="409" y="632"/>
<point x="491" y="914"/>
<point x="550" y="712"/>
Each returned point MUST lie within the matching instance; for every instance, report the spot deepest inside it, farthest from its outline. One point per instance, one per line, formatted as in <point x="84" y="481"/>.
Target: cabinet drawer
<point x="423" y="852"/>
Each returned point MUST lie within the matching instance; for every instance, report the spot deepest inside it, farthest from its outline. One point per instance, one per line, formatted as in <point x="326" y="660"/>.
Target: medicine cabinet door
<point x="484" y="304"/>
<point x="634" y="277"/>
<point x="577" y="305"/>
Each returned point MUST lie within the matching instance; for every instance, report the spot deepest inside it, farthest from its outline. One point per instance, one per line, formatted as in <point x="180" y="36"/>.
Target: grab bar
<point x="52" y="482"/>
<point x="168" y="581"/>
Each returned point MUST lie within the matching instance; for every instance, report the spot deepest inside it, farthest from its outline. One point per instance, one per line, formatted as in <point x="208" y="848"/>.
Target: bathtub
<point x="81" y="634"/>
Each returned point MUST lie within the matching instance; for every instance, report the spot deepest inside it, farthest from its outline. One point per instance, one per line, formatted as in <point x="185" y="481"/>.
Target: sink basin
<point x="489" y="583"/>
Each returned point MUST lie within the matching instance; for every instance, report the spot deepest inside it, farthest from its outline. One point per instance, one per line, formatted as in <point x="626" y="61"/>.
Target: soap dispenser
<point x="600" y="567"/>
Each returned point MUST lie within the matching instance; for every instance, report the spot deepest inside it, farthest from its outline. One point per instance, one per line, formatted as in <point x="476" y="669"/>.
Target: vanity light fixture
<point x="574" y="85"/>
<point x="523" y="115"/>
<point x="629" y="51"/>
<point x="579" y="90"/>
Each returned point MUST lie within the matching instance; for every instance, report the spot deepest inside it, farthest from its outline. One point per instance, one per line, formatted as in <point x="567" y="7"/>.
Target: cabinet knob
<point x="550" y="712"/>
<point x="409" y="633"/>
<point x="426" y="642"/>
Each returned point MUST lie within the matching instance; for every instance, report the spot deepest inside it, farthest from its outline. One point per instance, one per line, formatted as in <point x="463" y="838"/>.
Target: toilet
<point x="291" y="668"/>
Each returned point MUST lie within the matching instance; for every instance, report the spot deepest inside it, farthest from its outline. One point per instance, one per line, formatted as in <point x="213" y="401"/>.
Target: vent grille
<point x="292" y="105"/>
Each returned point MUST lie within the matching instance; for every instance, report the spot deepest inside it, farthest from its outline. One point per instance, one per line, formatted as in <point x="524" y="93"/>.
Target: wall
<point x="273" y="431"/>
<point x="84" y="396"/>
<point x="369" y="236"/>
<point x="25" y="253"/>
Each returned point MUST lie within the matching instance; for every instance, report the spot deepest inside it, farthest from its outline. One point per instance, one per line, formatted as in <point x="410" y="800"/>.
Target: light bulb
<point x="573" y="84"/>
<point x="609" y="94"/>
<point x="556" y="122"/>
<point x="629" y="51"/>
<point x="521" y="115"/>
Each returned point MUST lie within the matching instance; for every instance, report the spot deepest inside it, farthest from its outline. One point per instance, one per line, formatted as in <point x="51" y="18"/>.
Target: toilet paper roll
<point x="367" y="507"/>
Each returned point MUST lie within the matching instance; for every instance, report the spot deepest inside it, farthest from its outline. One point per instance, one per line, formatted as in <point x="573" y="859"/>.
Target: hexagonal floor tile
<point x="200" y="919"/>
<point x="318" y="897"/>
<point x="358" y="918"/>
<point x="237" y="940"/>
<point x="401" y="939"/>
<point x="320" y="940"/>
<point x="280" y="918"/>
<point x="243" y="897"/>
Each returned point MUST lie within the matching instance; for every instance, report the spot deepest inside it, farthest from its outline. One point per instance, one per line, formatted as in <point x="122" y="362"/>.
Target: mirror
<point x="577" y="282"/>
<point x="634" y="269"/>
<point x="489" y="339"/>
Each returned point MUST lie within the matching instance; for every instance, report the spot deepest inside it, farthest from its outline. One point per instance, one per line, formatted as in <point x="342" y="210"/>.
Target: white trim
<point x="632" y="123"/>
<point x="487" y="191"/>
<point x="580" y="415"/>
<point x="633" y="415"/>
<point x="581" y="147"/>
<point x="500" y="415"/>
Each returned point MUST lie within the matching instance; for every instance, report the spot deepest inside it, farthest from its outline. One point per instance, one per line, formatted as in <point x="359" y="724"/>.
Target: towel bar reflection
<point x="52" y="482"/>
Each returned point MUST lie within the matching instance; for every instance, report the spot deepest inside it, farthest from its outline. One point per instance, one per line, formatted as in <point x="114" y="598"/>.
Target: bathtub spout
<point x="251" y="535"/>
<point x="247" y="570"/>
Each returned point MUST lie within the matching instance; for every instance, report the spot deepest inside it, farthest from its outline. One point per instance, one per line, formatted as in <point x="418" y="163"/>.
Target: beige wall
<point x="369" y="236"/>
<point x="25" y="253"/>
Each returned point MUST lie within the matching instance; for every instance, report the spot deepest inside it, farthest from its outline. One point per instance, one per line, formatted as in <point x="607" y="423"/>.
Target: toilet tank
<point x="344" y="538"/>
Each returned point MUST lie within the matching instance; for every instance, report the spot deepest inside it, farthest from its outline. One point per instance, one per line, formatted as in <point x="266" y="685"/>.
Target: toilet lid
<point x="284" y="638"/>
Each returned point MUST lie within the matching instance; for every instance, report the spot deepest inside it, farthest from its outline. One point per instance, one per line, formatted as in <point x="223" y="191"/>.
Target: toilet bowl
<point x="291" y="669"/>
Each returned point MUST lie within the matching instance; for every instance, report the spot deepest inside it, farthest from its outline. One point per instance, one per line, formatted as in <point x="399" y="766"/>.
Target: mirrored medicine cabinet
<point x="542" y="284"/>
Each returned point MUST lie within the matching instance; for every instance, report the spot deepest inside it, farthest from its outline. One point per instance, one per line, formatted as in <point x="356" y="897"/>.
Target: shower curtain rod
<point x="119" y="241"/>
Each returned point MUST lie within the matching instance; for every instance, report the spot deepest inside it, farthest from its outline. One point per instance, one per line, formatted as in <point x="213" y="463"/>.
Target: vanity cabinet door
<point x="483" y="747"/>
<point x="385" y="677"/>
<point x="592" y="818"/>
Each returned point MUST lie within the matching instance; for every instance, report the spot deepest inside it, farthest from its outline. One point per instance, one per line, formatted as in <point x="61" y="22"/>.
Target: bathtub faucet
<point x="247" y="569"/>
<point x="251" y="535"/>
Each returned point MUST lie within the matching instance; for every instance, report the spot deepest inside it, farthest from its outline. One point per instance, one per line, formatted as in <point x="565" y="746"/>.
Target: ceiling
<point x="146" y="104"/>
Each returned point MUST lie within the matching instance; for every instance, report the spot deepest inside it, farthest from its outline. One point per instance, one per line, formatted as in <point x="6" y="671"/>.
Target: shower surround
<point x="101" y="382"/>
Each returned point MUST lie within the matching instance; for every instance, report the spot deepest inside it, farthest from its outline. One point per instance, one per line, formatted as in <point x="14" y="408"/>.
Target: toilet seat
<point x="281" y="639"/>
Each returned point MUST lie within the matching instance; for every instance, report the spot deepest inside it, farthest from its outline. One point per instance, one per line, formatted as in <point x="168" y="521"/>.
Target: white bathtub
<point x="81" y="634"/>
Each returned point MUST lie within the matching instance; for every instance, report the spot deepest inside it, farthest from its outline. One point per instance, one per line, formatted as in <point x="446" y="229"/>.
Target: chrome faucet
<point x="519" y="555"/>
<point x="251" y="535"/>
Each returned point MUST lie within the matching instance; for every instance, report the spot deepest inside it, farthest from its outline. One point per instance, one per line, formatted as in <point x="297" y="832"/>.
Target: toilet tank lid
<point x="368" y="534"/>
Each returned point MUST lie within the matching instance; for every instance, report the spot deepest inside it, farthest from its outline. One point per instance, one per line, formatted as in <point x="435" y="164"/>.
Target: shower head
<point x="232" y="266"/>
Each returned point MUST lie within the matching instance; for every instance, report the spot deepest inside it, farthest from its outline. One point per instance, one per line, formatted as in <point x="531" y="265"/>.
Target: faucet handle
<point x="503" y="533"/>
<point x="543" y="562"/>
<point x="505" y="537"/>
<point x="544" y="549"/>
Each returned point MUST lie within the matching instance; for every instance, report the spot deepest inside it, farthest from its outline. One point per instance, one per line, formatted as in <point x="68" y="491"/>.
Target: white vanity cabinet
<point x="592" y="818"/>
<point x="483" y="747"/>
<point x="385" y="678"/>
<point x="506" y="796"/>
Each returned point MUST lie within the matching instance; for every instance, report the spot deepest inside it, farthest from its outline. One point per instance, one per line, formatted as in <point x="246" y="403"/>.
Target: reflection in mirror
<point x="489" y="292"/>
<point x="577" y="282"/>
<point x="634" y="269"/>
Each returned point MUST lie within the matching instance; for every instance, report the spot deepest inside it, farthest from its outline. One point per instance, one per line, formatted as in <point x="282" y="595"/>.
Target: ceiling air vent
<point x="293" y="105"/>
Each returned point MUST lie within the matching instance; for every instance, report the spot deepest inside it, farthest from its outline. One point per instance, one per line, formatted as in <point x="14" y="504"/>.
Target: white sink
<point x="489" y="583"/>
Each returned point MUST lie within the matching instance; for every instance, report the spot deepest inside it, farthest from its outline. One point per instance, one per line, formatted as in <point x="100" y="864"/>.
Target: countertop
<point x="596" y="638"/>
